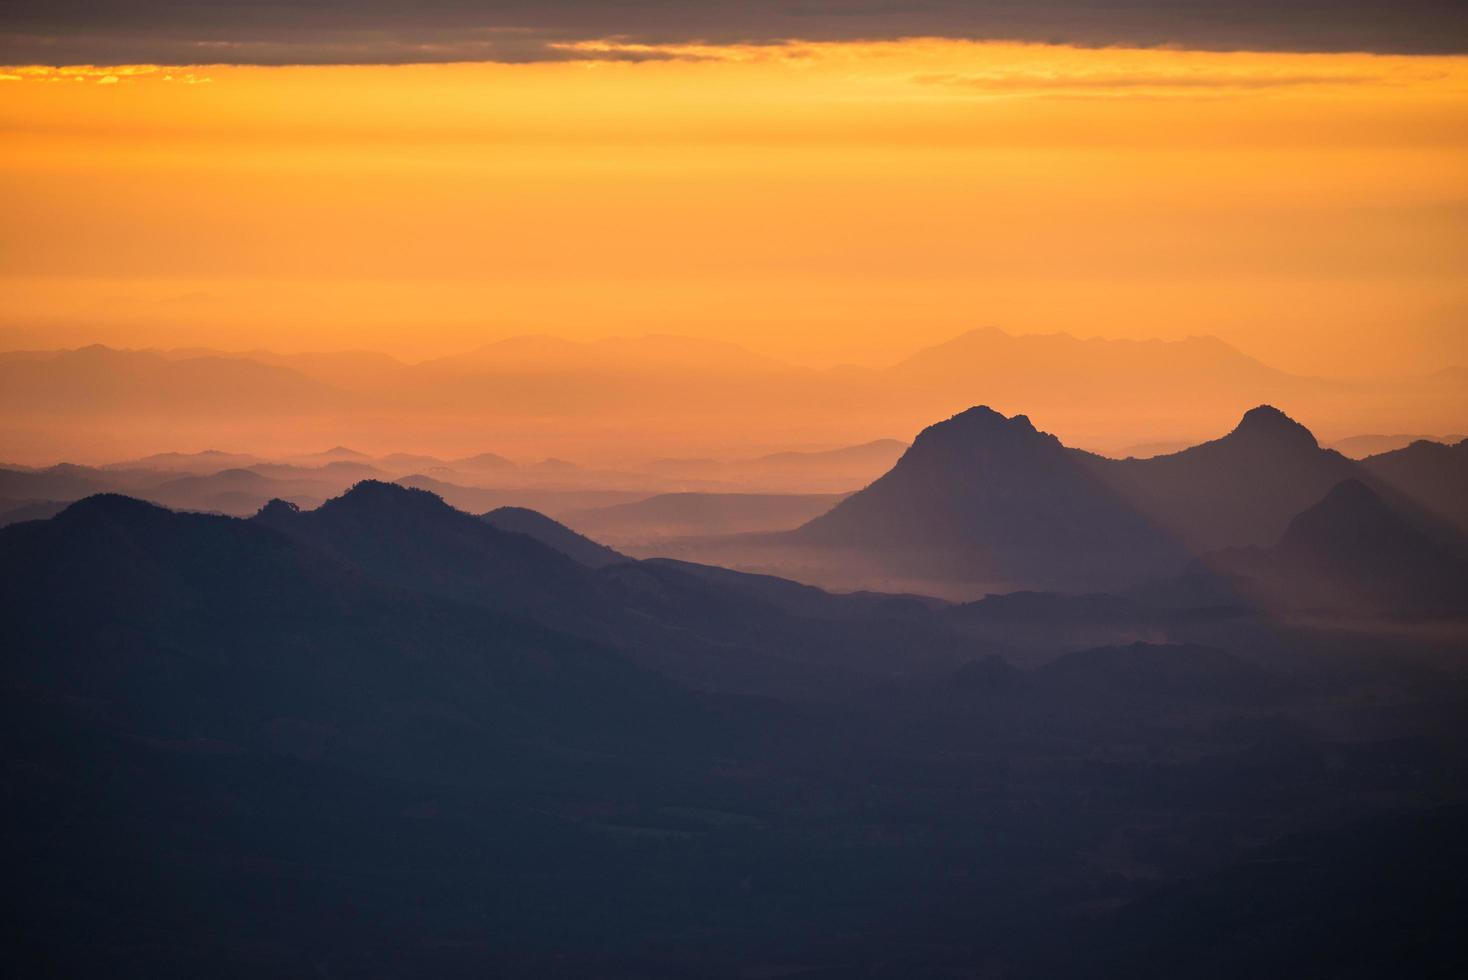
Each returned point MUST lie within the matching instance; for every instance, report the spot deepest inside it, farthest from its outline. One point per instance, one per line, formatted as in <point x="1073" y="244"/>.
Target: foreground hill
<point x="385" y="737"/>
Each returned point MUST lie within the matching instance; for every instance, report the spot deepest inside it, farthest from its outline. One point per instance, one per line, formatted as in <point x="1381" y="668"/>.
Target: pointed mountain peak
<point x="1268" y="423"/>
<point x="1351" y="513"/>
<point x="1352" y="493"/>
<point x="983" y="429"/>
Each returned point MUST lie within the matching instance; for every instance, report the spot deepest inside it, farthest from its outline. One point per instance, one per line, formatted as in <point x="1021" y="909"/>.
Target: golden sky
<point x="818" y="202"/>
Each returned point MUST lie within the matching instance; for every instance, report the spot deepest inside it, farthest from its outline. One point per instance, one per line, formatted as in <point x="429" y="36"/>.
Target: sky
<point x="847" y="198"/>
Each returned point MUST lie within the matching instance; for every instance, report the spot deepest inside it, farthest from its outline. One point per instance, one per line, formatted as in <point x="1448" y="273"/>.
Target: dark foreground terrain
<point x="385" y="738"/>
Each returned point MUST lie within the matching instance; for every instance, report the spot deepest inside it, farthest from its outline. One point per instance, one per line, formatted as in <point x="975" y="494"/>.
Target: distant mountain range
<point x="1104" y="394"/>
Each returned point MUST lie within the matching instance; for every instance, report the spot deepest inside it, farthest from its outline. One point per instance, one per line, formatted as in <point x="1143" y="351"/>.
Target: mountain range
<point x="1101" y="393"/>
<point x="991" y="500"/>
<point x="384" y="735"/>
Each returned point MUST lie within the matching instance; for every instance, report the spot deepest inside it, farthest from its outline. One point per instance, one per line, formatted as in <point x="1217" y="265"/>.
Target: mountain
<point x="200" y="463"/>
<point x="15" y="511"/>
<point x="1355" y="552"/>
<point x="288" y="629"/>
<point x="1360" y="447"/>
<point x="688" y="626"/>
<point x="483" y="461"/>
<point x="1240" y="489"/>
<point x="563" y="503"/>
<point x="336" y="454"/>
<point x="412" y="539"/>
<point x="62" y="482"/>
<point x="1101" y="394"/>
<point x="101" y="379"/>
<point x="985" y="497"/>
<point x="308" y="744"/>
<point x="1430" y="472"/>
<point x="579" y="548"/>
<point x="982" y="502"/>
<point x="867" y="452"/>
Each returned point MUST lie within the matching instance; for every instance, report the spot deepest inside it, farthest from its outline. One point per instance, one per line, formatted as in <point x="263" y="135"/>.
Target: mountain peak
<point x="112" y="506"/>
<point x="980" y="429"/>
<point x="1268" y="422"/>
<point x="1351" y="510"/>
<point x="276" y="510"/>
<point x="375" y="495"/>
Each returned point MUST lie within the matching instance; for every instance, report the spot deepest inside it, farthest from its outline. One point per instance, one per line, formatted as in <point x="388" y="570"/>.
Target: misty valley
<point x="984" y="705"/>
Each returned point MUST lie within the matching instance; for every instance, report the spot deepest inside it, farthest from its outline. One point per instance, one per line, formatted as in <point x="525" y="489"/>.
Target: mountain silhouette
<point x="578" y="547"/>
<point x="1241" y="489"/>
<point x="1103" y="394"/>
<point x="385" y="735"/>
<point x="1430" y="472"/>
<point x="1365" y="446"/>
<point x="1355" y="552"/>
<point x="690" y="626"/>
<point x="412" y="539"/>
<point x="989" y="497"/>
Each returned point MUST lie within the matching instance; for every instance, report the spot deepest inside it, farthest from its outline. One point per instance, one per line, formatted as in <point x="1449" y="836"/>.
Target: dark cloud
<point x="383" y="32"/>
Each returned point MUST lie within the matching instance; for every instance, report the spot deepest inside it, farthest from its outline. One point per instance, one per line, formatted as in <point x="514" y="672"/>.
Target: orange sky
<point x="821" y="203"/>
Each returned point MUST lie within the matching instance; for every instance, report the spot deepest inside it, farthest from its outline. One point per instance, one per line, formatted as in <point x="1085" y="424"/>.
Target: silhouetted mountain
<point x="991" y="498"/>
<point x="1102" y="394"/>
<point x="583" y="550"/>
<point x="15" y="511"/>
<point x="200" y="463"/>
<point x="1434" y="474"/>
<point x="291" y="631"/>
<point x="483" y="461"/>
<point x="807" y="600"/>
<point x="682" y="624"/>
<point x="1361" y="447"/>
<point x="101" y="379"/>
<point x="878" y="449"/>
<point x="1241" y="489"/>
<point x="62" y="482"/>
<point x="308" y="744"/>
<point x="1354" y="552"/>
<point x="413" y="539"/>
<point x="333" y="455"/>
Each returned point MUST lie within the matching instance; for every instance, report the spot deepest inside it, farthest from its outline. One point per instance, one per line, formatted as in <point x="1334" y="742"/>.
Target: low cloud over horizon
<point x="70" y="32"/>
